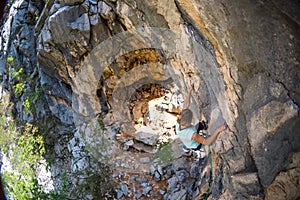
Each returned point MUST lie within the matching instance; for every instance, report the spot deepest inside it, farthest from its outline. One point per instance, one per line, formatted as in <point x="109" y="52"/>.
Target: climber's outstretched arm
<point x="187" y="99"/>
<point x="207" y="141"/>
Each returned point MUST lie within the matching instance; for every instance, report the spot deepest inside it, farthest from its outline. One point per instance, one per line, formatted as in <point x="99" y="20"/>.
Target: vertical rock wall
<point x="242" y="55"/>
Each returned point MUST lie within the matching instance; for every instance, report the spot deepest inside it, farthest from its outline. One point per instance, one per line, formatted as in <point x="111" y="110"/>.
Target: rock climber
<point x="188" y="133"/>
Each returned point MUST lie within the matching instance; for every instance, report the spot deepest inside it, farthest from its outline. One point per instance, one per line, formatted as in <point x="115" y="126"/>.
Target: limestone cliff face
<point x="91" y="57"/>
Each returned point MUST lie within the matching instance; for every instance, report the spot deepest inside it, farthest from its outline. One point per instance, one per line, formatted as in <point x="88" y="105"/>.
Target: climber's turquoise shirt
<point x="186" y="136"/>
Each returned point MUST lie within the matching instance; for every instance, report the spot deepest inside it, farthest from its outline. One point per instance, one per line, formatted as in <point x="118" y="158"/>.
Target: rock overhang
<point x="170" y="61"/>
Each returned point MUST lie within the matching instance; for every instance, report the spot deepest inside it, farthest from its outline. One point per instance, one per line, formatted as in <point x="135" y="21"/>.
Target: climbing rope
<point x="211" y="181"/>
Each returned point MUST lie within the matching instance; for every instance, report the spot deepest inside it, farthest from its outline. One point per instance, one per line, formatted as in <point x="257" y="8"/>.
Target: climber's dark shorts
<point x="199" y="126"/>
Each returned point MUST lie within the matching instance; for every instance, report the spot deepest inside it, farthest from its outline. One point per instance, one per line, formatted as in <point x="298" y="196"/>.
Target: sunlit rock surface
<point x="111" y="72"/>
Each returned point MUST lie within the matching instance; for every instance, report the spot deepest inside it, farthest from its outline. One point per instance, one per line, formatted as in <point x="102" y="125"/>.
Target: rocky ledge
<point x="104" y="80"/>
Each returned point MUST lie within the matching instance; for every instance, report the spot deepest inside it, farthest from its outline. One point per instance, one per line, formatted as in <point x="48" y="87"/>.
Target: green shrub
<point x="25" y="148"/>
<point x="19" y="88"/>
<point x="18" y="74"/>
<point x="10" y="59"/>
<point x="165" y="154"/>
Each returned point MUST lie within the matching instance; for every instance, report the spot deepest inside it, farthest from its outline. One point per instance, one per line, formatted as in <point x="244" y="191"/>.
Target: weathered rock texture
<point x="91" y="57"/>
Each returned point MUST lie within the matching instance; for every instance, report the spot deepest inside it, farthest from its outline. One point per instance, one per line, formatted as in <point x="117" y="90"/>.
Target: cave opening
<point x="145" y="95"/>
<point x="154" y="109"/>
<point x="143" y="91"/>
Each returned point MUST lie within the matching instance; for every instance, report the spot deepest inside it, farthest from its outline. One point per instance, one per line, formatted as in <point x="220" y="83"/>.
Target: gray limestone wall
<point x="87" y="58"/>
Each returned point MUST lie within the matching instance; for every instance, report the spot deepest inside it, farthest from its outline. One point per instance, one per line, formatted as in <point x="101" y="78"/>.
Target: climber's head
<point x="186" y="117"/>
